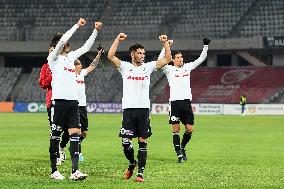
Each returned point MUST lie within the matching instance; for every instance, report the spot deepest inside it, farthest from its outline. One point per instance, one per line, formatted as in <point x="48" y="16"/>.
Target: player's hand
<point x="121" y="36"/>
<point x="101" y="50"/>
<point x="81" y="22"/>
<point x="163" y="38"/>
<point x="206" y="41"/>
<point x="170" y="42"/>
<point x="98" y="25"/>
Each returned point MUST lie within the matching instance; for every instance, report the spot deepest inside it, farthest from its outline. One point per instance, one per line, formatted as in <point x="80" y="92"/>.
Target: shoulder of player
<point x="126" y="64"/>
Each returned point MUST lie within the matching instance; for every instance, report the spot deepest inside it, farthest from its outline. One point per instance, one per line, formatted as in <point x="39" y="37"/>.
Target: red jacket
<point x="45" y="79"/>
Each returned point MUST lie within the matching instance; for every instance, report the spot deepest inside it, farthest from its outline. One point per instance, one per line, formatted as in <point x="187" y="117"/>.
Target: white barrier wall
<point x="226" y="109"/>
<point x="255" y="109"/>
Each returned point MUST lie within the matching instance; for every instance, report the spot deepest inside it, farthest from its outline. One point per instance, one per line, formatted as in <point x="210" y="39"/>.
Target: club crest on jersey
<point x="137" y="77"/>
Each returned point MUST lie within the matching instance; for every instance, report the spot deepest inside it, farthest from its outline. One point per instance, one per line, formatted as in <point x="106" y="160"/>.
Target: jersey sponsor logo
<point x="137" y="77"/>
<point x="69" y="70"/>
<point x="182" y="75"/>
<point x="80" y="81"/>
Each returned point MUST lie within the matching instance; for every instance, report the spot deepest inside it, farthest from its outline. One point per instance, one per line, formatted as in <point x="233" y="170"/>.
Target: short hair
<point x="56" y="38"/>
<point x="171" y="63"/>
<point x="135" y="47"/>
<point x="77" y="62"/>
<point x="175" y="53"/>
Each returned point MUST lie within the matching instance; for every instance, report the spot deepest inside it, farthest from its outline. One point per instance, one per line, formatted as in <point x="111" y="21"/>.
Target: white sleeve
<point x="197" y="62"/>
<point x="86" y="47"/>
<point x="57" y="50"/>
<point x="122" y="66"/>
<point x="84" y="72"/>
<point x="162" y="54"/>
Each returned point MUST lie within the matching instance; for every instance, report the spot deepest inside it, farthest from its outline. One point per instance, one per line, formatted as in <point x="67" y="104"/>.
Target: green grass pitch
<point x="225" y="152"/>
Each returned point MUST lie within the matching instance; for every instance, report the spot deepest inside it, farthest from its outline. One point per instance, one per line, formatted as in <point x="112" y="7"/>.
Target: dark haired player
<point x="178" y="77"/>
<point x="64" y="111"/>
<point x="135" y="100"/>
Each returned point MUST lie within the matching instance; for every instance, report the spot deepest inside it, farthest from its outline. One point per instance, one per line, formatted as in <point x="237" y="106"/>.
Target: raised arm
<point x="89" y="43"/>
<point x="167" y="58"/>
<point x="202" y="56"/>
<point x="163" y="52"/>
<point x="95" y="62"/>
<point x="59" y="46"/>
<point x="111" y="53"/>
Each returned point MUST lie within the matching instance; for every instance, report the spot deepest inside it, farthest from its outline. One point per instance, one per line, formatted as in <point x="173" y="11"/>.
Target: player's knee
<point x="176" y="128"/>
<point x="55" y="132"/>
<point x="189" y="129"/>
<point x="126" y="144"/>
<point x="74" y="131"/>
<point x="142" y="139"/>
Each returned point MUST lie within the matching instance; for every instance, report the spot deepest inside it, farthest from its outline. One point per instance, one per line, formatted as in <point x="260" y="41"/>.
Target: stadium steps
<point x="278" y="97"/>
<point x="157" y="89"/>
<point x="19" y="86"/>
<point x="251" y="59"/>
<point x="235" y="32"/>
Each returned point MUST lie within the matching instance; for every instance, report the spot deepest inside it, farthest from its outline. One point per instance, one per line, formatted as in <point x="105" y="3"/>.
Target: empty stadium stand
<point x="8" y="78"/>
<point x="37" y="20"/>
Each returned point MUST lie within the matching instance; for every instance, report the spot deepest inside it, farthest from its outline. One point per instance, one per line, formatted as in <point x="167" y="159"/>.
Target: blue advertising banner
<point x="29" y="107"/>
<point x="20" y="107"/>
<point x="104" y="107"/>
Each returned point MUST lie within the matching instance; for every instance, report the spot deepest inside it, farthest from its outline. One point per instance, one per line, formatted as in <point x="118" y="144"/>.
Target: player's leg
<point x="176" y="142"/>
<point x="143" y="130"/>
<point x="74" y="135"/>
<point x="243" y="109"/>
<point x="127" y="133"/>
<point x="55" y="132"/>
<point x="187" y="119"/>
<point x="174" y="120"/>
<point x="186" y="138"/>
<point x="63" y="143"/>
<point x="129" y="154"/>
<point x="84" y="128"/>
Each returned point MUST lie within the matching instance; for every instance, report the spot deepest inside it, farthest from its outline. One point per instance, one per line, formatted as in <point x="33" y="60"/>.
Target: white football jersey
<point x="179" y="78"/>
<point x="63" y="68"/>
<point x="81" y="87"/>
<point x="136" y="82"/>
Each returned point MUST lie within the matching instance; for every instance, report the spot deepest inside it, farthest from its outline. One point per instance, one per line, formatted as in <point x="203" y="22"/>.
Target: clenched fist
<point x="121" y="36"/>
<point x="163" y="38"/>
<point x="206" y="41"/>
<point x="81" y="22"/>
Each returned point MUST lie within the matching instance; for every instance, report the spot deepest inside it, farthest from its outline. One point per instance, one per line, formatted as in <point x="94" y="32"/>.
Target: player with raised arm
<point x="135" y="100"/>
<point x="64" y="111"/>
<point x="81" y="90"/>
<point x="178" y="77"/>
